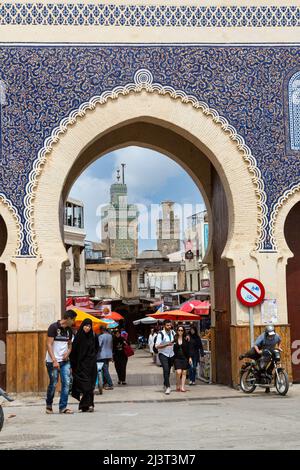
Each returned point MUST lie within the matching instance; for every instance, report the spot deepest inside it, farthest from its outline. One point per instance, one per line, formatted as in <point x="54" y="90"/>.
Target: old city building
<point x="158" y="275"/>
<point x="168" y="230"/>
<point x="196" y="244"/>
<point x="74" y="237"/>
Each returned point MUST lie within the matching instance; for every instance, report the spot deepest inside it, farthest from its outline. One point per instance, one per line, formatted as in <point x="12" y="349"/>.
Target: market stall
<point x="204" y="371"/>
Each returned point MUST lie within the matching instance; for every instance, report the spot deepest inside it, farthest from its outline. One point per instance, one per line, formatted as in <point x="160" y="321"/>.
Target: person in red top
<point x="124" y="334"/>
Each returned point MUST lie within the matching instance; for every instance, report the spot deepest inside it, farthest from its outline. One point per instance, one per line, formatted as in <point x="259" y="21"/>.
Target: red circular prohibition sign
<point x="250" y="292"/>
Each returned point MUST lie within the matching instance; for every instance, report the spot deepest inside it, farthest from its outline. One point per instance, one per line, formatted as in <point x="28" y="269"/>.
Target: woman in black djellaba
<point x="84" y="365"/>
<point x="119" y="356"/>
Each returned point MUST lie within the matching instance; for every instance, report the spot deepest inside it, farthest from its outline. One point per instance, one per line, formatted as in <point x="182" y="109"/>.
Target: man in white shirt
<point x="165" y="345"/>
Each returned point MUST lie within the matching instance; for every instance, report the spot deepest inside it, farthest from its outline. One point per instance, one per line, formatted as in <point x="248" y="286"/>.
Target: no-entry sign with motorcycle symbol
<point x="250" y="292"/>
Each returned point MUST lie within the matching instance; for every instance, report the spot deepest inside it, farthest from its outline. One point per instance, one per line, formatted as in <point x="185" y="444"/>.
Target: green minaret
<point x="120" y="222"/>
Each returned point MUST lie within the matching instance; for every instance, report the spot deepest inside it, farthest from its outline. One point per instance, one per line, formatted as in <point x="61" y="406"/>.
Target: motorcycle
<point x="142" y="342"/>
<point x="4" y="395"/>
<point x="266" y="372"/>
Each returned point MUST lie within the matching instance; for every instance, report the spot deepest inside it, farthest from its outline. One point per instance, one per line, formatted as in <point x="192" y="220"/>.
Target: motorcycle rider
<point x="267" y="340"/>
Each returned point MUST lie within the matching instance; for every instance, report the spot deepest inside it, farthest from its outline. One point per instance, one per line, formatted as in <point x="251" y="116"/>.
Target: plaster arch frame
<point x="229" y="177"/>
<point x="208" y="131"/>
<point x="14" y="230"/>
<point x="287" y="204"/>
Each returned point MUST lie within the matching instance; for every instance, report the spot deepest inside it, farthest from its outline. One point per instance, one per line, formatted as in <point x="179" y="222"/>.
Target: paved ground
<point x="206" y="417"/>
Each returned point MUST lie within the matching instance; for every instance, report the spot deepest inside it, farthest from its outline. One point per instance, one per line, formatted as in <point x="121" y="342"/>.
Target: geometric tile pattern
<point x="94" y="14"/>
<point x="244" y="84"/>
<point x="294" y="110"/>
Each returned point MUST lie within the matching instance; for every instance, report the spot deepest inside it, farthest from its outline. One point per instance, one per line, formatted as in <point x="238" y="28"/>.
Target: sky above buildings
<point x="150" y="177"/>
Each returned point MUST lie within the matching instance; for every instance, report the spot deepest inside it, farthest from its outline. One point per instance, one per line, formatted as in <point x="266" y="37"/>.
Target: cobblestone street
<point x="212" y="417"/>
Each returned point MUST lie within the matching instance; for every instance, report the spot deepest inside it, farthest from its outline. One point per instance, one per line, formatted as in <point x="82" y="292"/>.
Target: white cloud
<point x="147" y="174"/>
<point x="146" y="171"/>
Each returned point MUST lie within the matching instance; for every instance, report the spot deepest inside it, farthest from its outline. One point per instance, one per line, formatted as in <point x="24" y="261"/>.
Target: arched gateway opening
<point x="212" y="155"/>
<point x="198" y="166"/>
<point x="3" y="305"/>
<point x="291" y="232"/>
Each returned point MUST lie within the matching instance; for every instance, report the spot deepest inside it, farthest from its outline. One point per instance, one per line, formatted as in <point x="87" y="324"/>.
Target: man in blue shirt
<point x="105" y="355"/>
<point x="267" y="340"/>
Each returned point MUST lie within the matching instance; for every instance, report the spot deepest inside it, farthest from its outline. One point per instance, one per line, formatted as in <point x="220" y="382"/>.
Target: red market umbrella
<point x="113" y="316"/>
<point x="197" y="307"/>
<point x="177" y="315"/>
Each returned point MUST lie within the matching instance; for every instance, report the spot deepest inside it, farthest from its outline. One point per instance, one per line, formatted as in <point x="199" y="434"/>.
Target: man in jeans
<point x="165" y="346"/>
<point x="105" y="356"/>
<point x="59" y="346"/>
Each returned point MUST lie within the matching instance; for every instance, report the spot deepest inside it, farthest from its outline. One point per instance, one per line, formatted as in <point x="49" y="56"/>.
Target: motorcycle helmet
<point x="270" y="330"/>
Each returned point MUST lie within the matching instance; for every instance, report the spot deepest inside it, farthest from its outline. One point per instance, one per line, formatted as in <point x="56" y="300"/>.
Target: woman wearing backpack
<point x="182" y="358"/>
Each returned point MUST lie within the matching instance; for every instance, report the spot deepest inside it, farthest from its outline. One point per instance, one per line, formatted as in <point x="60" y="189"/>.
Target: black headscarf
<point x="83" y="360"/>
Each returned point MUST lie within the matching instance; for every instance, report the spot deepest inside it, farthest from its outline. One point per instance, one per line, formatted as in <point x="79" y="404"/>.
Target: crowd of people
<point x="176" y="348"/>
<point x="77" y="356"/>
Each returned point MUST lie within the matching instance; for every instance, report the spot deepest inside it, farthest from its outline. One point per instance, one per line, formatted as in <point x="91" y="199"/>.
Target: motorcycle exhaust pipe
<point x="4" y="395"/>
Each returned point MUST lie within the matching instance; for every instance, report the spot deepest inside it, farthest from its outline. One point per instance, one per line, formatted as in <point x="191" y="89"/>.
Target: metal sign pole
<point x="251" y="324"/>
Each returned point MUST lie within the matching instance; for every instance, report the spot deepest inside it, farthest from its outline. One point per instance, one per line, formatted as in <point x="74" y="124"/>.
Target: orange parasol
<point x="177" y="315"/>
<point x="81" y="315"/>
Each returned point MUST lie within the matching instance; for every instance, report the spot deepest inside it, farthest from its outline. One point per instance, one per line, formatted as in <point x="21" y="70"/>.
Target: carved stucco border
<point x="19" y="226"/>
<point x="143" y="80"/>
<point x="274" y="214"/>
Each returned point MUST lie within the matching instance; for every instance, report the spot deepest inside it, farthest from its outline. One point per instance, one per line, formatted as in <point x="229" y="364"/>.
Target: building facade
<point x="168" y="230"/>
<point x="115" y="280"/>
<point x="196" y="244"/>
<point x="74" y="238"/>
<point x="214" y="86"/>
<point x="158" y="275"/>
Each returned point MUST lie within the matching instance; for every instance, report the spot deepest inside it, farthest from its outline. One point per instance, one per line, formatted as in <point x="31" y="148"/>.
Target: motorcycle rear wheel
<point x="282" y="386"/>
<point x="1" y="417"/>
<point x="247" y="381"/>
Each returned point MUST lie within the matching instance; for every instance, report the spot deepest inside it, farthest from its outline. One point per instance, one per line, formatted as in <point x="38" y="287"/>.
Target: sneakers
<point x="168" y="391"/>
<point x="108" y="387"/>
<point x="49" y="410"/>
